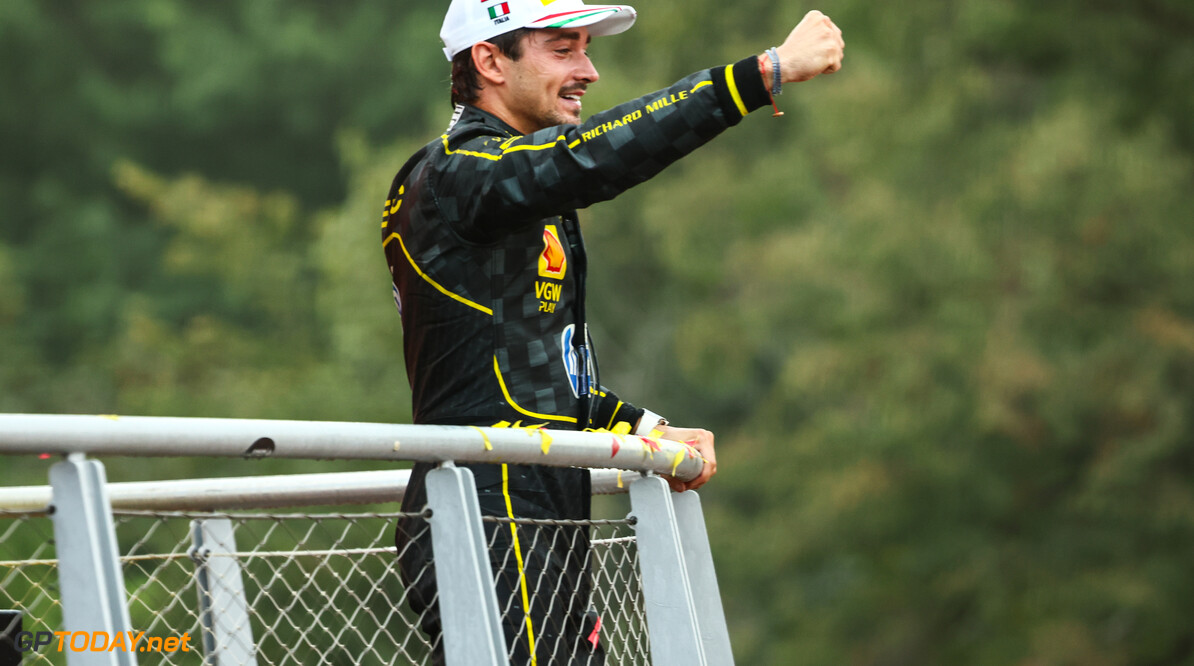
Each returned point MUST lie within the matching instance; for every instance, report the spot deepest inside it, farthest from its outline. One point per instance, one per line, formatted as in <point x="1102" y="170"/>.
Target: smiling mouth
<point x="573" y="97"/>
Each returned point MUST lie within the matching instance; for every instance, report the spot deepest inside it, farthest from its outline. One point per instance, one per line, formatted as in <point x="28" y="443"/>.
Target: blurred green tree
<point x="942" y="323"/>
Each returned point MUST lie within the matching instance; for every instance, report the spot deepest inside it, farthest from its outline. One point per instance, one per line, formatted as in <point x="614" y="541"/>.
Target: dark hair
<point x="466" y="83"/>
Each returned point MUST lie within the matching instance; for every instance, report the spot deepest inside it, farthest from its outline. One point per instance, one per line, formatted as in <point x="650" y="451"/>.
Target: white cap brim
<point x="601" y="20"/>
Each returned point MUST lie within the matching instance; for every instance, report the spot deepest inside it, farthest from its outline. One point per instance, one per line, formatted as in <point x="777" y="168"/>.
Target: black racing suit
<point x="481" y="236"/>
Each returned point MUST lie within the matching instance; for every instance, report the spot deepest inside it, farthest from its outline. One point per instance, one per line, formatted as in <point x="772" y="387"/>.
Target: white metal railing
<point x="239" y="438"/>
<point x="264" y="492"/>
<point x="680" y="604"/>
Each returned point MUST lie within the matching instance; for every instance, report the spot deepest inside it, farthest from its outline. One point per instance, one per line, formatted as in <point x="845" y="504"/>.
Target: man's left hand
<point x="702" y="441"/>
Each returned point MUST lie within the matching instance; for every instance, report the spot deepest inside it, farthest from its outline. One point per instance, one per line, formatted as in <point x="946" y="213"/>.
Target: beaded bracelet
<point x="776" y="85"/>
<point x="763" y="73"/>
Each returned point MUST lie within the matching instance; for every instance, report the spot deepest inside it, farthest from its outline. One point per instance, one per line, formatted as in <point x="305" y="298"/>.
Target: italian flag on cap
<point x="499" y="10"/>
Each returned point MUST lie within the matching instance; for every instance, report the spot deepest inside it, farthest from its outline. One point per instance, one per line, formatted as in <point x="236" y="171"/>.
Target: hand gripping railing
<point x="683" y="608"/>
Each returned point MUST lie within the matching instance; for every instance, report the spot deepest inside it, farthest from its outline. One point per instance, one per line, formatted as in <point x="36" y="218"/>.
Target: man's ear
<point x="488" y="61"/>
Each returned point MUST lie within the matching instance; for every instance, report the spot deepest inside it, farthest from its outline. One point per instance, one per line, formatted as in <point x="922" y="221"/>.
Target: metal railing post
<point x="89" y="573"/>
<point x="467" y="601"/>
<point x="671" y="617"/>
<point x="223" y="608"/>
<point x="702" y="577"/>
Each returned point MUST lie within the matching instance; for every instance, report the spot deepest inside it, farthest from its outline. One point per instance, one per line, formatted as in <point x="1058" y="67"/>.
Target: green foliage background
<point x="940" y="315"/>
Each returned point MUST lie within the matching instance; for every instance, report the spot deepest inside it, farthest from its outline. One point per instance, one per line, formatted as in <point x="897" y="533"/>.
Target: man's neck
<point x="494" y="107"/>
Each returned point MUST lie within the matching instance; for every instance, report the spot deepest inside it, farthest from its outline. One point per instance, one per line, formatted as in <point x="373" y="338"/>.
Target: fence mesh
<point x="28" y="577"/>
<point x="580" y="580"/>
<point x="319" y="588"/>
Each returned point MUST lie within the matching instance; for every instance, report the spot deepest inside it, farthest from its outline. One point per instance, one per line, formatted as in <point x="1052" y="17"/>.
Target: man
<point x="481" y="236"/>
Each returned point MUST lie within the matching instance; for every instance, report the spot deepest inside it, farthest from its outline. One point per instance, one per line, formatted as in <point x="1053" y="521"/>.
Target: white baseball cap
<point x="471" y="21"/>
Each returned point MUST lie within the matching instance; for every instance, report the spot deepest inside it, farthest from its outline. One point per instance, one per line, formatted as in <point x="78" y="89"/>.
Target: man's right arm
<point x="562" y="168"/>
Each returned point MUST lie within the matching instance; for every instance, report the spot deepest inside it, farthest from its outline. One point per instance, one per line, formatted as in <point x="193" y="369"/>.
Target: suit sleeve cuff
<point x="647" y="422"/>
<point x="740" y="88"/>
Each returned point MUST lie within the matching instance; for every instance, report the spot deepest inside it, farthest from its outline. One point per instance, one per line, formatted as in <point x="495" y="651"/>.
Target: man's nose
<point x="588" y="73"/>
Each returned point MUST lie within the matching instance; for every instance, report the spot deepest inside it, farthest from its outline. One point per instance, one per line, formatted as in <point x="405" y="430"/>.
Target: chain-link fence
<point x="325" y="588"/>
<point x="28" y="578"/>
<point x="581" y="583"/>
<point x="317" y="588"/>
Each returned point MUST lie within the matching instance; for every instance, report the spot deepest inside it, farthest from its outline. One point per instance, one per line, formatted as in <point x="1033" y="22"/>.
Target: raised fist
<point x="814" y="47"/>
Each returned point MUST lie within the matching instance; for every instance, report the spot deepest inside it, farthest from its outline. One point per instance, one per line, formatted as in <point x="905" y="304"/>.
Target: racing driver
<point x="481" y="236"/>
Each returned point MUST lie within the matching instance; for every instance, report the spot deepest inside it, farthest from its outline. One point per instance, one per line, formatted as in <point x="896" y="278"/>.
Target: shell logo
<point x="553" y="263"/>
